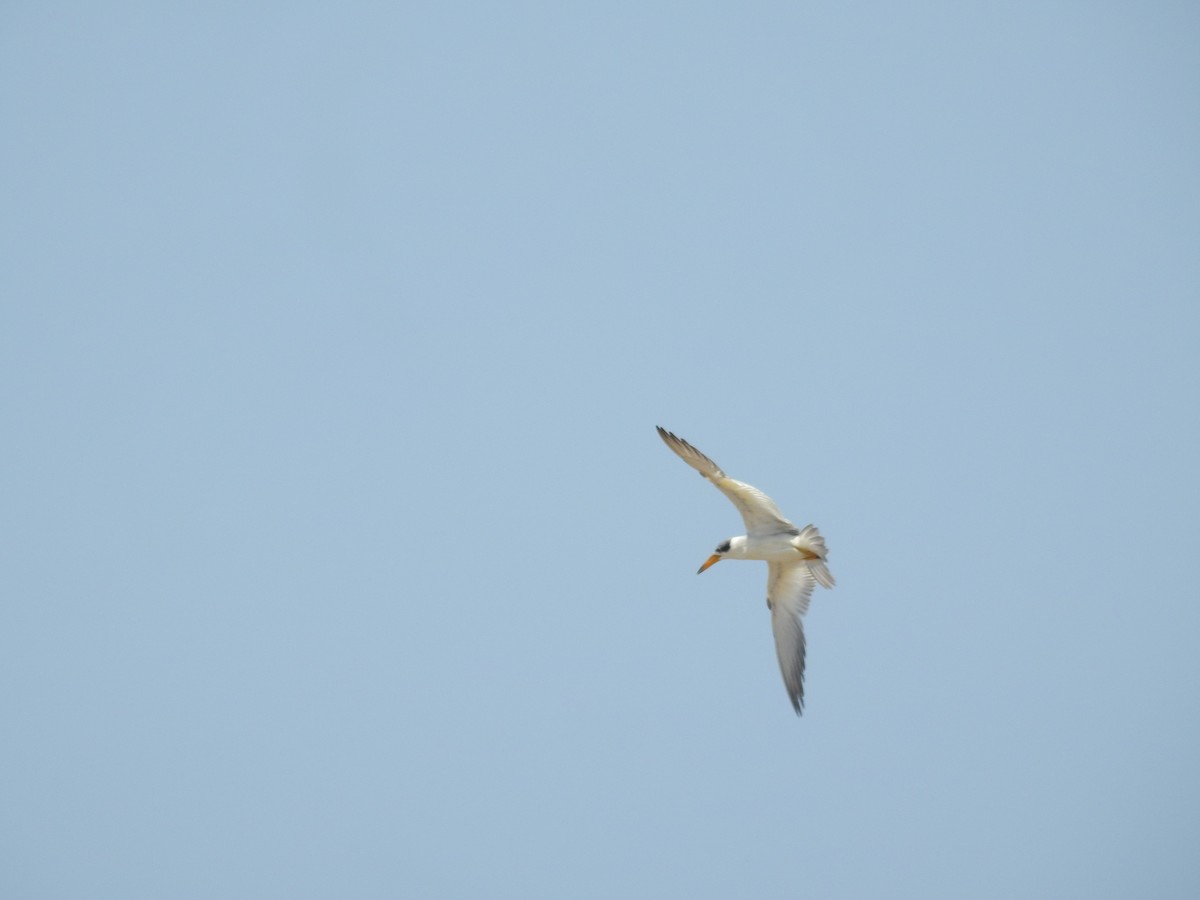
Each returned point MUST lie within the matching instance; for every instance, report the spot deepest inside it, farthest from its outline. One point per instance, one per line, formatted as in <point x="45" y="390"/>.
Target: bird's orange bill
<point x="708" y="562"/>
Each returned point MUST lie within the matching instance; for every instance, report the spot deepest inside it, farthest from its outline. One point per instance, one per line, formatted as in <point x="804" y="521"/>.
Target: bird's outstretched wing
<point x="759" y="511"/>
<point x="789" y="588"/>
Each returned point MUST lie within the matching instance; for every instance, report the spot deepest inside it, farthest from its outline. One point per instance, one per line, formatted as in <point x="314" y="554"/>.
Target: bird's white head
<point x="734" y="548"/>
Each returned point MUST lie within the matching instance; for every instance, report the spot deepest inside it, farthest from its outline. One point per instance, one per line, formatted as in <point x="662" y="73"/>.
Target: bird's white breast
<point x="771" y="547"/>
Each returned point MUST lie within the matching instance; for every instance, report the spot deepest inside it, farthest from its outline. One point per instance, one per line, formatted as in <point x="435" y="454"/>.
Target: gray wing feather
<point x="789" y="589"/>
<point x="759" y="511"/>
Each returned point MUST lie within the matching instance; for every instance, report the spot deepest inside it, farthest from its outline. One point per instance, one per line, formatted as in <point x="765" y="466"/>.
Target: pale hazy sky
<point x="340" y="556"/>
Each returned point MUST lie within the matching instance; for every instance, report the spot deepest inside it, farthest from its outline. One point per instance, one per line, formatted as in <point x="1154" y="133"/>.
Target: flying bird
<point x="795" y="560"/>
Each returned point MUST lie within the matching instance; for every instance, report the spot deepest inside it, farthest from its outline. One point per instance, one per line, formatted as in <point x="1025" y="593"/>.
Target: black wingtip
<point x="798" y="699"/>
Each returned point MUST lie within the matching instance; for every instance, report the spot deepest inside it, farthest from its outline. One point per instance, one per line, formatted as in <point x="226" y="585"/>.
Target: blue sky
<point x="341" y="556"/>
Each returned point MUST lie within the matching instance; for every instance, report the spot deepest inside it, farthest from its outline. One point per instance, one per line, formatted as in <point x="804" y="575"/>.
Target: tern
<point x="795" y="559"/>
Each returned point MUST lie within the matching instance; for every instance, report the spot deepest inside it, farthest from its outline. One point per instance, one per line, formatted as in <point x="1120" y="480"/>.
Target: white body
<point x="780" y="547"/>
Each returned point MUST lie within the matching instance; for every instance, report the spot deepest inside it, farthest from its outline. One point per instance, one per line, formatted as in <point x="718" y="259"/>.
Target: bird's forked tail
<point x="809" y="541"/>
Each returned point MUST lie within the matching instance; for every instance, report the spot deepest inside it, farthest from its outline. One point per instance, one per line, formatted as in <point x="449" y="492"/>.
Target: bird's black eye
<point x="723" y="548"/>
